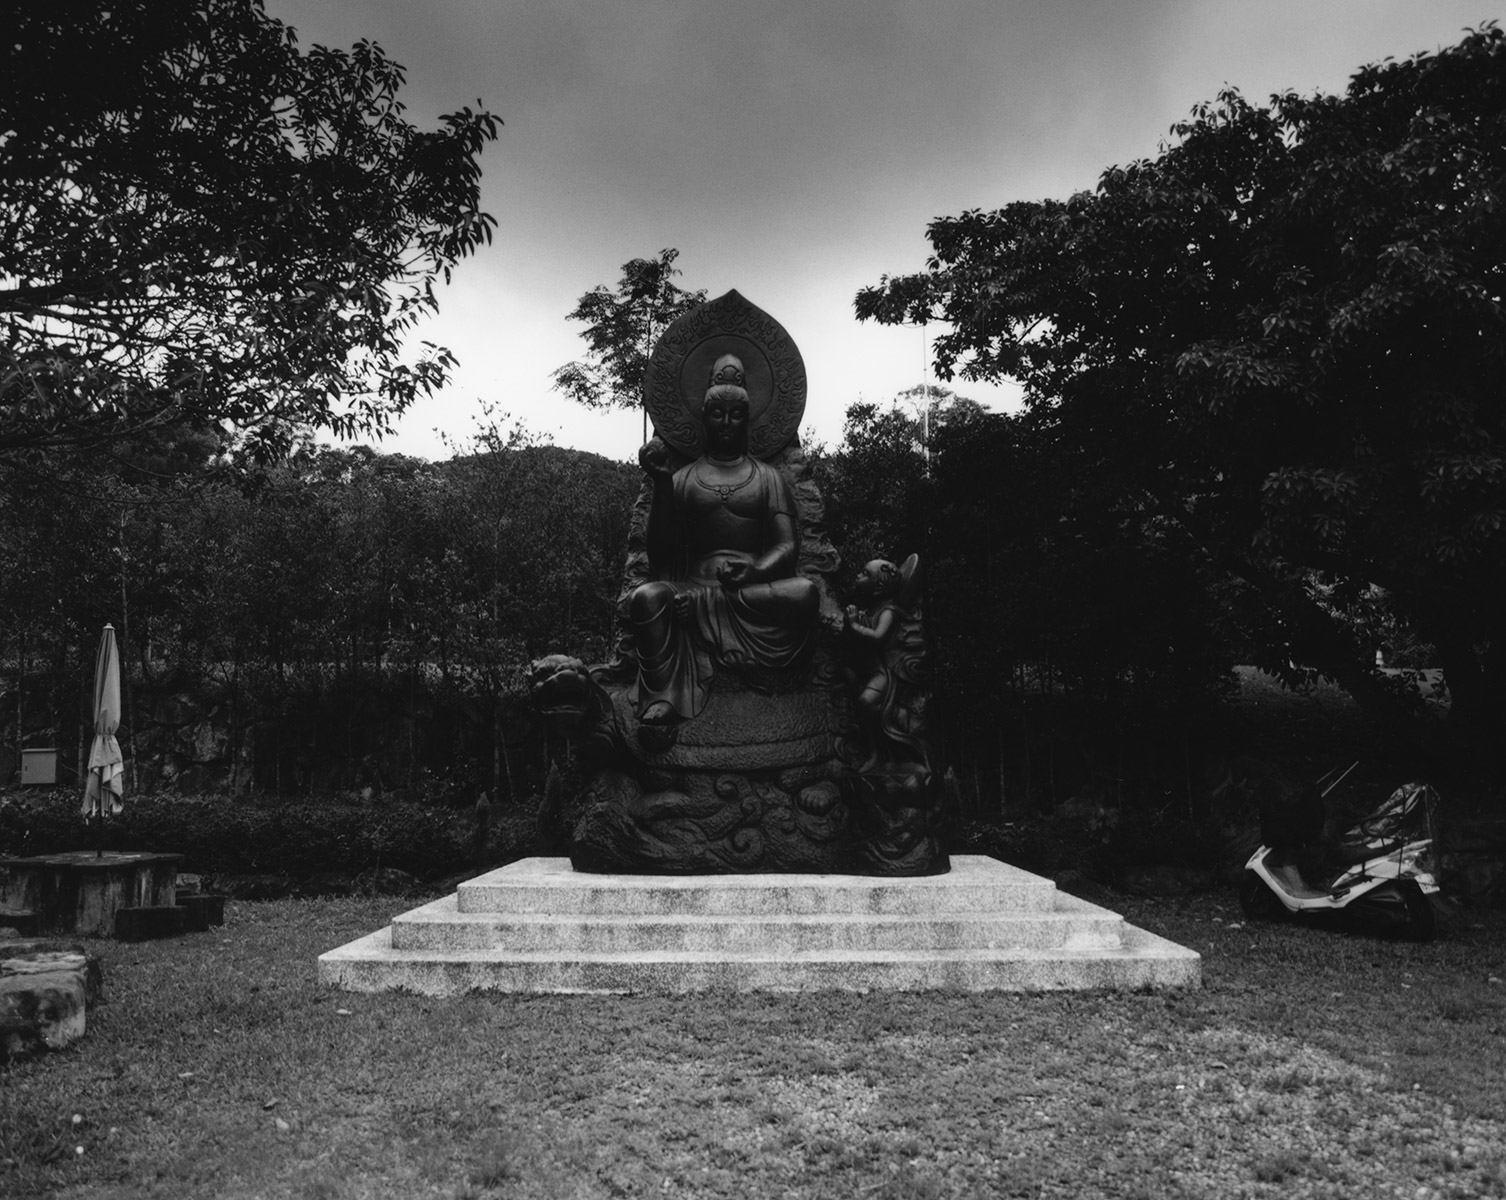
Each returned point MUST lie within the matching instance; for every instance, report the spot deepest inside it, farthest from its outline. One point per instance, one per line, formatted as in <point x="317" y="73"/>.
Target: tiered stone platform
<point x="539" y="926"/>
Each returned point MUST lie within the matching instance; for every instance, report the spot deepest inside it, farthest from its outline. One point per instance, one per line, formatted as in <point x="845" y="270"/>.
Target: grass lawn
<point x="1311" y="1063"/>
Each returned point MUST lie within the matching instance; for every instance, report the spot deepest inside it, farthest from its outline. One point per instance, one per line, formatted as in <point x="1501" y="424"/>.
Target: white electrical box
<point x="39" y="766"/>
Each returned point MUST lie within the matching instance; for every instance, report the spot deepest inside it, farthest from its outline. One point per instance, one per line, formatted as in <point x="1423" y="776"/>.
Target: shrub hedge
<point x="219" y="835"/>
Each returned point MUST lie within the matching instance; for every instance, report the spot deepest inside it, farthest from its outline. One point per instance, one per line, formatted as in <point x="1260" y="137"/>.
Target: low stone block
<point x="201" y="911"/>
<point x="44" y="1011"/>
<point x="45" y="991"/>
<point x="29" y="956"/>
<point x="156" y="921"/>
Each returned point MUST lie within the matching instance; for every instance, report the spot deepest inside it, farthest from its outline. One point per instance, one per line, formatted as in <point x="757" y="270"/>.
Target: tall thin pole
<point x="925" y="398"/>
<point x="125" y="637"/>
<point x="648" y="350"/>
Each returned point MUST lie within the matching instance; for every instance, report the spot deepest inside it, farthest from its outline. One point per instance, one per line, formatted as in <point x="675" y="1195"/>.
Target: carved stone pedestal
<point x="754" y="784"/>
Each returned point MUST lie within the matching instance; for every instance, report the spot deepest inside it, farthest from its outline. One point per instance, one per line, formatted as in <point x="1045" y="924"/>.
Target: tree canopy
<point x="200" y="222"/>
<point x="1285" y="333"/>
<point x="335" y="573"/>
<point x="621" y="328"/>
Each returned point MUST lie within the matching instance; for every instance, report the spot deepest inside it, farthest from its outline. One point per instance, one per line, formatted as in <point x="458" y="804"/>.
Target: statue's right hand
<point x="653" y="457"/>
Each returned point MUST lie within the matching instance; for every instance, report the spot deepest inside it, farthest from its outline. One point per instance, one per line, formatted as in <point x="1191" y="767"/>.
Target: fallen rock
<point x="19" y="923"/>
<point x="253" y="887"/>
<point x="328" y="883"/>
<point x="386" y="881"/>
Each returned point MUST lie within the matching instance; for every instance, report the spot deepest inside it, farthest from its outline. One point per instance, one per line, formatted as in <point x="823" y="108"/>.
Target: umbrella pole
<point x="99" y="813"/>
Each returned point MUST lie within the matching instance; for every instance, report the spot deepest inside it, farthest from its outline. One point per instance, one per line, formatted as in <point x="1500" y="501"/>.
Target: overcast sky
<point x="796" y="150"/>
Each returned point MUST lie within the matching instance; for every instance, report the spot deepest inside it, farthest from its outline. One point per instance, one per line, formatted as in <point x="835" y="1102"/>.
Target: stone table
<point x="80" y="891"/>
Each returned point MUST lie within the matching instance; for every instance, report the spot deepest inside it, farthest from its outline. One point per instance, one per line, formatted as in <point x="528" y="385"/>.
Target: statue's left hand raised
<point x="653" y="457"/>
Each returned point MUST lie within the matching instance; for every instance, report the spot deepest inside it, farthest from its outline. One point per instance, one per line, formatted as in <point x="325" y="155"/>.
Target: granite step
<point x="441" y="927"/>
<point x="537" y="926"/>
<point x="550" y="885"/>
<point x="1142" y="961"/>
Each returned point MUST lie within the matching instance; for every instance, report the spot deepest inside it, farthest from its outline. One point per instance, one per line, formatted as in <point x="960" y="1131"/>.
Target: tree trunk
<point x="61" y="696"/>
<point x="85" y="723"/>
<point x="1025" y="742"/>
<point x="1476" y="726"/>
<point x="1319" y="641"/>
<point x="497" y="748"/>
<point x="20" y="689"/>
<point x="234" y="716"/>
<point x="1469" y="697"/>
<point x="129" y="779"/>
<point x="512" y="792"/>
<point x="1003" y="760"/>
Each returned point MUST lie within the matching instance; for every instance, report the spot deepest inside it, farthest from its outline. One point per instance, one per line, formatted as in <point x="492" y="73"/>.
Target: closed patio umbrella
<point x="106" y="782"/>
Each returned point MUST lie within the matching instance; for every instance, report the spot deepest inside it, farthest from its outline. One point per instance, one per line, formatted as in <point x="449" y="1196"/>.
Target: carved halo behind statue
<point x="675" y="383"/>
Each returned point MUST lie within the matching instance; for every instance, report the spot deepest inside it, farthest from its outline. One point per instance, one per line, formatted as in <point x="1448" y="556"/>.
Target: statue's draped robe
<point x="761" y="625"/>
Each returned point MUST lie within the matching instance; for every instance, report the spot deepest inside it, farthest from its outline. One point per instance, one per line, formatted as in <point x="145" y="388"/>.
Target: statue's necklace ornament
<point x="725" y="490"/>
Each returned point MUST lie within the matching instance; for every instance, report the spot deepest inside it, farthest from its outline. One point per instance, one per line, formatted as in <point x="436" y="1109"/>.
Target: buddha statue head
<point x="724" y="414"/>
<point x="728" y="369"/>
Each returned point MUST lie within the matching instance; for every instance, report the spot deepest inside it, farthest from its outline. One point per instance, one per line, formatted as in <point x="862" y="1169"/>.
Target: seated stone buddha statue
<point x="723" y="546"/>
<point x="740" y="724"/>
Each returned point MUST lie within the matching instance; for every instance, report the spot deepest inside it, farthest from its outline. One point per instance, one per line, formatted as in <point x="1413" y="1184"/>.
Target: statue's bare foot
<point x="658" y="713"/>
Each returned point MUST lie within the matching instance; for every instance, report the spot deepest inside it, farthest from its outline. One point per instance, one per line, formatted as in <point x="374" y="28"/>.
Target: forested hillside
<point x="345" y="618"/>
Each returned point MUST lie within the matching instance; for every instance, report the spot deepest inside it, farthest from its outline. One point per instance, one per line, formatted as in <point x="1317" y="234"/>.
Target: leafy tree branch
<point x="200" y="221"/>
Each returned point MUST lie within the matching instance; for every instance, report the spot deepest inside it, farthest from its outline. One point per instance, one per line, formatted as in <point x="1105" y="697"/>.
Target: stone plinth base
<point x="81" y="891"/>
<point x="538" y="926"/>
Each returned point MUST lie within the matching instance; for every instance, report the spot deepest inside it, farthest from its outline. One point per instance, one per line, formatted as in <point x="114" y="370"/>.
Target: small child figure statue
<point x="888" y="661"/>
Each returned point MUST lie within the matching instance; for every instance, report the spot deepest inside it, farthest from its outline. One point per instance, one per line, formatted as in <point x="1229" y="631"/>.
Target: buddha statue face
<point x="725" y="418"/>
